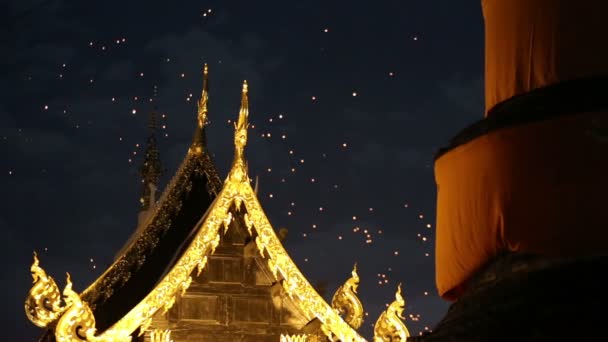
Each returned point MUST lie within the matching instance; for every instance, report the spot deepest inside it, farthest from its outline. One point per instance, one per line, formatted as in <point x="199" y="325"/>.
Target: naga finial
<point x="239" y="166"/>
<point x="37" y="271"/>
<point x="43" y="303"/>
<point x="202" y="119"/>
<point x="390" y="326"/>
<point x="354" y="274"/>
<point x="78" y="319"/>
<point x="68" y="292"/>
<point x="346" y="302"/>
<point x="398" y="297"/>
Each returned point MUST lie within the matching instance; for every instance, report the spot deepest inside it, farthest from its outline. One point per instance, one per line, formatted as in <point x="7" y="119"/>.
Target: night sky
<point x="349" y="99"/>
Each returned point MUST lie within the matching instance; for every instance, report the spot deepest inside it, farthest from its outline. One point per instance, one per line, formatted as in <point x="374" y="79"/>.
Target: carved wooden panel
<point x="251" y="310"/>
<point x="223" y="270"/>
<point x="200" y="308"/>
<point x="233" y="270"/>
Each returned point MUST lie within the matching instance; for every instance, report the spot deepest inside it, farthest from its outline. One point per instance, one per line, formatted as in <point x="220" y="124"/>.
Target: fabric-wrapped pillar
<point x="532" y="176"/>
<point x="531" y="44"/>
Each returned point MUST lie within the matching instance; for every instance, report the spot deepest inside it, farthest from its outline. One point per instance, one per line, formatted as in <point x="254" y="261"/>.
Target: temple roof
<point x="185" y="229"/>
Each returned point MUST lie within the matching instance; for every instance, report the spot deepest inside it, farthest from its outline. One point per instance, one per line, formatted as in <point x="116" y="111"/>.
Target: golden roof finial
<point x="239" y="166"/>
<point x="390" y="326"/>
<point x="152" y="118"/>
<point x="243" y="122"/>
<point x="43" y="303"/>
<point x="37" y="271"/>
<point x="346" y="302"/>
<point x="354" y="272"/>
<point x="202" y="102"/>
<point x="202" y="120"/>
<point x="68" y="282"/>
<point x="36" y="261"/>
<point x="78" y="318"/>
<point x="398" y="296"/>
<point x="151" y="169"/>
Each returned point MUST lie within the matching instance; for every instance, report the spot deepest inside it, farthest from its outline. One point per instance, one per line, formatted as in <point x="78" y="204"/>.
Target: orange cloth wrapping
<point x="535" y="43"/>
<point x="540" y="187"/>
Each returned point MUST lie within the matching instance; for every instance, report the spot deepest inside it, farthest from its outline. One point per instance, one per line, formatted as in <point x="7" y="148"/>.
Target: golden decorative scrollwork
<point x="77" y="324"/>
<point x="201" y="117"/>
<point x="43" y="303"/>
<point x="346" y="302"/>
<point x="238" y="171"/>
<point x="390" y="326"/>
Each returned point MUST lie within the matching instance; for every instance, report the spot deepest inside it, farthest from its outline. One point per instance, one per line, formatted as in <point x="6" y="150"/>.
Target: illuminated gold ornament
<point x="77" y="323"/>
<point x="294" y="338"/>
<point x="202" y="102"/>
<point x="346" y="302"/>
<point x="239" y="172"/>
<point x="389" y="326"/>
<point x="43" y="303"/>
<point x="199" y="135"/>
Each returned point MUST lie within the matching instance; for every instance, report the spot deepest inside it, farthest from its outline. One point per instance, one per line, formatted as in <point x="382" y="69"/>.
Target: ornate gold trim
<point x="390" y="326"/>
<point x="43" y="302"/>
<point x="346" y="302"/>
<point x="294" y="338"/>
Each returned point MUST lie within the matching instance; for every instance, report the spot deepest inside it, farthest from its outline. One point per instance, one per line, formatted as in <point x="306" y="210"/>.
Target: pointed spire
<point x="354" y="273"/>
<point x="152" y="117"/>
<point x="243" y="122"/>
<point x="239" y="165"/>
<point x="398" y="296"/>
<point x="152" y="121"/>
<point x="199" y="139"/>
<point x="151" y="169"/>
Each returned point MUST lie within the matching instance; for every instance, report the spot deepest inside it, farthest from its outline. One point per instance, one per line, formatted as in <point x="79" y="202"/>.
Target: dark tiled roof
<point x="135" y="273"/>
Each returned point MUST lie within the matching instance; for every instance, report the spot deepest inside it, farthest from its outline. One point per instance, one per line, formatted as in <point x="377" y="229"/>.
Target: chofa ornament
<point x="346" y="302"/>
<point x="77" y="323"/>
<point x="43" y="304"/>
<point x="390" y="326"/>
